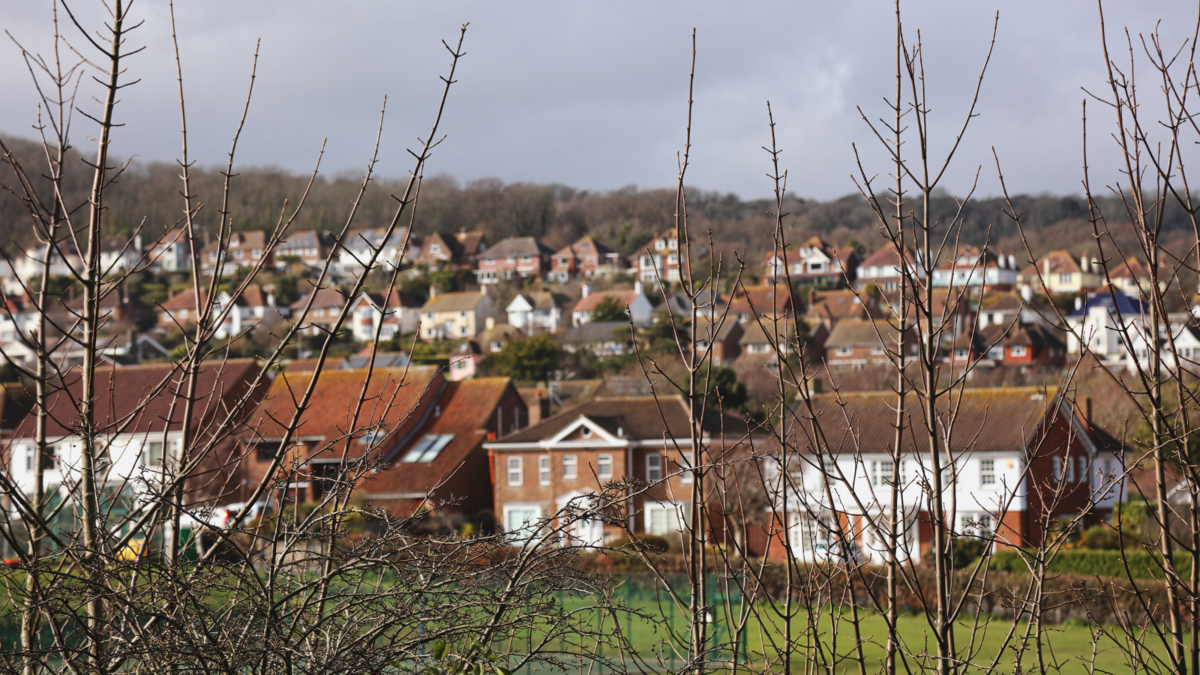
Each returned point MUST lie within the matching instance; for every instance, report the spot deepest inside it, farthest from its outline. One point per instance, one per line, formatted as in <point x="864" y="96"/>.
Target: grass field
<point x="1067" y="649"/>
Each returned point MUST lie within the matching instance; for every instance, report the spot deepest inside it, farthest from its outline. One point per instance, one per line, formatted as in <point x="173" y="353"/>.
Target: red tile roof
<point x="138" y="399"/>
<point x="393" y="399"/>
<point x="463" y="409"/>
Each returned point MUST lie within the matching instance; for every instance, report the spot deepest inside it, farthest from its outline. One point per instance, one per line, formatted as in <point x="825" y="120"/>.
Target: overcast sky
<point x="593" y="95"/>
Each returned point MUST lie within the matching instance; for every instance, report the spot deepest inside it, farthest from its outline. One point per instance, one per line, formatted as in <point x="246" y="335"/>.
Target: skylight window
<point x="428" y="448"/>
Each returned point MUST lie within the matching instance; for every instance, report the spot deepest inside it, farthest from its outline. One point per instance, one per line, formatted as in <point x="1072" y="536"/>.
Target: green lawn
<point x="1066" y="648"/>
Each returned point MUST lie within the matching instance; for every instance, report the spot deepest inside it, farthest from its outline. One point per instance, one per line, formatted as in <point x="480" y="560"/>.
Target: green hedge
<point x="1142" y="564"/>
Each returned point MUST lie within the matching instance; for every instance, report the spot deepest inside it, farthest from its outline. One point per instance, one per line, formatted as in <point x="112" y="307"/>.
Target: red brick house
<point x="1032" y="345"/>
<point x="722" y="336"/>
<point x="243" y="249"/>
<point x="567" y="457"/>
<point x="513" y="258"/>
<point x="443" y="463"/>
<point x="585" y="259"/>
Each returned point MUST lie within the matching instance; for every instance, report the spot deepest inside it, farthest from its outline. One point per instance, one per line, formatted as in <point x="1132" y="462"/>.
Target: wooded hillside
<point x="625" y="219"/>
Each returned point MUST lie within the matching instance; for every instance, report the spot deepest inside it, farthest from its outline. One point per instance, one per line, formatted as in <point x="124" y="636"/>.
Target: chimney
<point x="1078" y="302"/>
<point x="271" y="298"/>
<point x="1027" y="293"/>
<point x="1083" y="263"/>
<point x="137" y="243"/>
<point x="1087" y="411"/>
<point x="585" y="289"/>
<point x="1012" y="261"/>
<point x="1046" y="268"/>
<point x="489" y="323"/>
<point x="433" y="291"/>
<point x="637" y="288"/>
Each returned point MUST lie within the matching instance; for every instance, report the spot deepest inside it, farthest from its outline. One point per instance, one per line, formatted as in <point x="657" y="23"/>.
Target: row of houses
<point x="1020" y="457"/>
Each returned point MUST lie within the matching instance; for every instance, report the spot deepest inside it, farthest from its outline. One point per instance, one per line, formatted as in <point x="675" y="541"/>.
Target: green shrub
<point x="1100" y="537"/>
<point x="650" y="542"/>
<point x="1104" y="563"/>
<point x="964" y="551"/>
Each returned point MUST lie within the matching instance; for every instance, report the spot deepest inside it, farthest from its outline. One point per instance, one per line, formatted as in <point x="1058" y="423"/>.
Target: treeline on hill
<point x="625" y="219"/>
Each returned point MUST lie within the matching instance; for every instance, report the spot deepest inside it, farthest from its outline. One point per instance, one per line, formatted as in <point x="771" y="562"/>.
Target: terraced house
<point x="1022" y="458"/>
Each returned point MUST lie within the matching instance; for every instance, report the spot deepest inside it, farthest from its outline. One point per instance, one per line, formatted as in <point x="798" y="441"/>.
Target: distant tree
<point x="527" y="360"/>
<point x="286" y="291"/>
<point x="609" y="309"/>
<point x="725" y="390"/>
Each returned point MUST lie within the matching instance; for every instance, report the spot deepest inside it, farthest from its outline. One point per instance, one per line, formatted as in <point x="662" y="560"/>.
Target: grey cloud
<point x="594" y="95"/>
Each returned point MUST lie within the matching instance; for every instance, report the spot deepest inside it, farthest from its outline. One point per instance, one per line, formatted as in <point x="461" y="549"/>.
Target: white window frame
<point x="536" y="509"/>
<point x="601" y="462"/>
<point x="686" y="475"/>
<point x="652" y="507"/>
<point x="654" y="467"/>
<point x="844" y="351"/>
<point x="987" y="474"/>
<point x="1018" y="350"/>
<point x="515" y="465"/>
<point x="570" y="467"/>
<point x="544" y="470"/>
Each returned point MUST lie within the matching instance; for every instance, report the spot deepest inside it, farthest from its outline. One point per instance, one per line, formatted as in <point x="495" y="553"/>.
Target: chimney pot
<point x="489" y="323"/>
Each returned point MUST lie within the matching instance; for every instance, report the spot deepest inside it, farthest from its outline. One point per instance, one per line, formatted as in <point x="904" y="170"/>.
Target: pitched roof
<point x="757" y="334"/>
<point x="121" y="393"/>
<point x="844" y="304"/>
<point x="634" y="418"/>
<point x="470" y="242"/>
<point x="762" y="300"/>
<point x="856" y="333"/>
<point x="591" y="333"/>
<point x="330" y="296"/>
<point x="707" y="329"/>
<point x="885" y="257"/>
<point x="588" y="304"/>
<point x="585" y="245"/>
<point x="1060" y="262"/>
<point x="1114" y="301"/>
<point x="454" y="302"/>
<point x="1032" y="335"/>
<point x="500" y="332"/>
<point x="391" y="397"/>
<point x="1006" y="419"/>
<point x="184" y="300"/>
<point x="1002" y="302"/>
<point x="304" y="240"/>
<point x="517" y="246"/>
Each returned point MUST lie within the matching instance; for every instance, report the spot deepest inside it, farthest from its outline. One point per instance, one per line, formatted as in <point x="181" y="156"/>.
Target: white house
<point x="976" y="270"/>
<point x="1005" y="440"/>
<point x="1102" y="322"/>
<point x="171" y="253"/>
<point x="358" y="247"/>
<point x="1186" y="346"/>
<point x="398" y="315"/>
<point x="634" y="302"/>
<point x="539" y="313"/>
<point x="247" y="310"/>
<point x="140" y="433"/>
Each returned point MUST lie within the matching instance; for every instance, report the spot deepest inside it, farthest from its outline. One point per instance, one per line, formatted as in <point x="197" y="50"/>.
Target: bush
<point x="650" y="542"/>
<point x="1100" y="537"/>
<point x="1090" y="563"/>
<point x="964" y="551"/>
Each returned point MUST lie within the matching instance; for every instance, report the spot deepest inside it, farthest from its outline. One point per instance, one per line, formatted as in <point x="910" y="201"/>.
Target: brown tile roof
<point x="184" y="300"/>
<point x="838" y="305"/>
<point x="637" y="417"/>
<point x="1131" y="268"/>
<point x="330" y="296"/>
<point x="585" y="245"/>
<point x="856" y="333"/>
<point x="517" y="246"/>
<point x="762" y="300"/>
<point x="588" y="304"/>
<point x="1002" y="302"/>
<point x="756" y="335"/>
<point x="454" y="302"/>
<point x="1032" y="335"/>
<point x="1061" y="262"/>
<point x="999" y="419"/>
<point x="465" y="409"/>
<point x="120" y="393"/>
<point x="884" y="257"/>
<point x="470" y="241"/>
